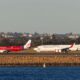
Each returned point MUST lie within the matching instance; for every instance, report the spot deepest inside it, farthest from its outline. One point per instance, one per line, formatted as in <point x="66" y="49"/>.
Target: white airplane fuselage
<point x="56" y="48"/>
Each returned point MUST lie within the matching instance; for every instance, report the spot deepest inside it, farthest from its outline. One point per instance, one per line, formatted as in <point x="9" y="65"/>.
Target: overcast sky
<point x="51" y="16"/>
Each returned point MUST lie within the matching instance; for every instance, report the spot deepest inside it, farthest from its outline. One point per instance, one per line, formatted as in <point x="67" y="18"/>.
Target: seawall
<point x="39" y="60"/>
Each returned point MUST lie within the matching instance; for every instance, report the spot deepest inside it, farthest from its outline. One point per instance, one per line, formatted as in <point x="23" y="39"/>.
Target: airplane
<point x="6" y="49"/>
<point x="54" y="48"/>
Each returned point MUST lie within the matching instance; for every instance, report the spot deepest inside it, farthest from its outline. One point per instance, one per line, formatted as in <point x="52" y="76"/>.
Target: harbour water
<point x="40" y="73"/>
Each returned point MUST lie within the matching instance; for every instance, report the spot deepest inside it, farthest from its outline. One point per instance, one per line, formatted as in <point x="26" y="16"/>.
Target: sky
<point x="42" y="16"/>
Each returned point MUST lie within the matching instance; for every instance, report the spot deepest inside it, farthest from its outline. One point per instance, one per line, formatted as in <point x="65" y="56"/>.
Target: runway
<point x="42" y="54"/>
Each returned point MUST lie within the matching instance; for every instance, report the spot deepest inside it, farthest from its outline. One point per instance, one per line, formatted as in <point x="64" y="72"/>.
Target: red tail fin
<point x="72" y="45"/>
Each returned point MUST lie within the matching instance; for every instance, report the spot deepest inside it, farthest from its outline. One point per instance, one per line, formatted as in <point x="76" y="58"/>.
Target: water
<point x="39" y="73"/>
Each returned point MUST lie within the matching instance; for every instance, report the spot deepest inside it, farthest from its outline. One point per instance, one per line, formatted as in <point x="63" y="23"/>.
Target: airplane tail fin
<point x="27" y="45"/>
<point x="72" y="45"/>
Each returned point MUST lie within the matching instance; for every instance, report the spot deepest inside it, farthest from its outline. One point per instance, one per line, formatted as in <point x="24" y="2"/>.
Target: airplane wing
<point x="67" y="48"/>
